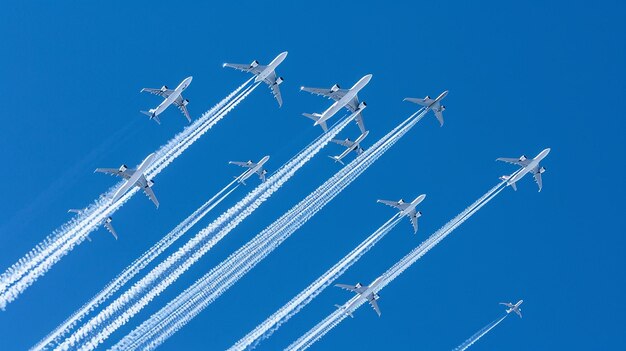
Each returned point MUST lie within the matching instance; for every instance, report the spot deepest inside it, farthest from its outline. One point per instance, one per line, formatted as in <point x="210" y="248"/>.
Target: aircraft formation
<point x="342" y="99"/>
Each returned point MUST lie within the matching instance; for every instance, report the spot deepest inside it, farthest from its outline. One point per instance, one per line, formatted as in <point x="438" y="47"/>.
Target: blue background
<point x="522" y="76"/>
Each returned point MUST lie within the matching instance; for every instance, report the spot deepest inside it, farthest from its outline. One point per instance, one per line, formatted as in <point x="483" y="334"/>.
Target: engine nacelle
<point x="362" y="105"/>
<point x="419" y="213"/>
<point x="358" y="285"/>
<point x="164" y="88"/>
<point x="442" y="108"/>
<point x="376" y="296"/>
<point x="108" y="220"/>
<point x="523" y="158"/>
<point x="185" y="102"/>
<point x="264" y="172"/>
<point x="254" y="63"/>
<point x="150" y="183"/>
<point x="123" y="168"/>
<point x="334" y="88"/>
<point x="279" y="80"/>
<point x="542" y="170"/>
<point x="427" y="97"/>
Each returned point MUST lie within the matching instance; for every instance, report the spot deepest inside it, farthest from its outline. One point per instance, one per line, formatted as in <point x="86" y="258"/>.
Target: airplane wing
<point x="182" y="106"/>
<point x="353" y="105"/>
<point x="116" y="172"/>
<point x="414" y="220"/>
<point x="261" y="174"/>
<point x="271" y="81"/>
<point x="163" y="93"/>
<point x="328" y="93"/>
<point x="537" y="176"/>
<point x="393" y="204"/>
<point x="109" y="227"/>
<point x="346" y="143"/>
<point x="246" y="68"/>
<point x="518" y="312"/>
<point x="243" y="164"/>
<point x="422" y="102"/>
<point x="507" y="304"/>
<point x="350" y="288"/>
<point x="374" y="304"/>
<point x="143" y="183"/>
<point x="514" y="161"/>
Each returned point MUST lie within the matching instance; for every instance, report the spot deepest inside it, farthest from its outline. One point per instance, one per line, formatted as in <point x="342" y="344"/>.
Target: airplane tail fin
<point x="346" y="312"/>
<point x="337" y="159"/>
<point x="151" y="114"/>
<point x="506" y="178"/>
<point x="316" y="117"/>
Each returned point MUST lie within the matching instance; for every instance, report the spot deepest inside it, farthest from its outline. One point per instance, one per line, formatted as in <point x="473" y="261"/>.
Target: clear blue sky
<point x="521" y="76"/>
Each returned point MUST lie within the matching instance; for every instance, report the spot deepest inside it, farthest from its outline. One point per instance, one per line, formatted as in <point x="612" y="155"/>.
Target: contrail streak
<point x="272" y="323"/>
<point x="194" y="299"/>
<point x="318" y="331"/>
<point x="134" y="268"/>
<point x="40" y="259"/>
<point x="151" y="285"/>
<point x="469" y="342"/>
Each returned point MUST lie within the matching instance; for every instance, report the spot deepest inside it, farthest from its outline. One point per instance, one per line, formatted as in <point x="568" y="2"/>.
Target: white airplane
<point x="350" y="146"/>
<point x="265" y="74"/>
<point x="528" y="166"/>
<point x="407" y="209"/>
<point x="343" y="98"/>
<point x="364" y="292"/>
<point x="134" y="177"/>
<point x="171" y="97"/>
<point x="106" y="222"/>
<point x="513" y="308"/>
<point x="252" y="169"/>
<point x="434" y="105"/>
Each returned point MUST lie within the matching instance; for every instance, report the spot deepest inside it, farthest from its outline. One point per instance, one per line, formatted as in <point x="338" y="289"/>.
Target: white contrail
<point x="142" y="292"/>
<point x="193" y="300"/>
<point x="469" y="342"/>
<point x="272" y="323"/>
<point x="337" y="316"/>
<point x="55" y="246"/>
<point x="129" y="272"/>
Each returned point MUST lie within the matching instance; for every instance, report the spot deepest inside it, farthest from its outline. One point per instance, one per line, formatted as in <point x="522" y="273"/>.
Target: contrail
<point x="272" y="323"/>
<point x="318" y="331"/>
<point x="139" y="264"/>
<point x="142" y="292"/>
<point x="40" y="259"/>
<point x="469" y="342"/>
<point x="194" y="299"/>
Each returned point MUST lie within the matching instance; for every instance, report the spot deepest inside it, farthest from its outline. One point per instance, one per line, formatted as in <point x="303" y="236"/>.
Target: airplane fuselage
<point x="371" y="289"/>
<point x="439" y="98"/>
<point x="271" y="67"/>
<point x="254" y="169"/>
<point x="341" y="103"/>
<point x="135" y="177"/>
<point x="413" y="204"/>
<point x="534" y="163"/>
<point x="170" y="99"/>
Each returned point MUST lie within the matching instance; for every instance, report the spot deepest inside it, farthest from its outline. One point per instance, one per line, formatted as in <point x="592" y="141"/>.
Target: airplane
<point x="265" y="74"/>
<point x="171" y="97"/>
<point x="350" y="146"/>
<point x="343" y="98"/>
<point x="434" y="105"/>
<point x="528" y="166"/>
<point x="134" y="177"/>
<point x="106" y="222"/>
<point x="407" y="209"/>
<point x="513" y="308"/>
<point x="364" y="292"/>
<point x="252" y="169"/>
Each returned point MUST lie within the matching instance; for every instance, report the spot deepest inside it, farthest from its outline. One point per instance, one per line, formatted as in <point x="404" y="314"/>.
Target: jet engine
<point x="150" y="184"/>
<point x="542" y="170"/>
<point x="185" y="102"/>
<point x="254" y="63"/>
<point x="358" y="285"/>
<point x="376" y="296"/>
<point x="123" y="168"/>
<point x="523" y="158"/>
<point x="334" y="88"/>
<point x="427" y="97"/>
<point x="419" y="213"/>
<point x="279" y="80"/>
<point x="164" y="88"/>
<point x="442" y="108"/>
<point x="362" y="105"/>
